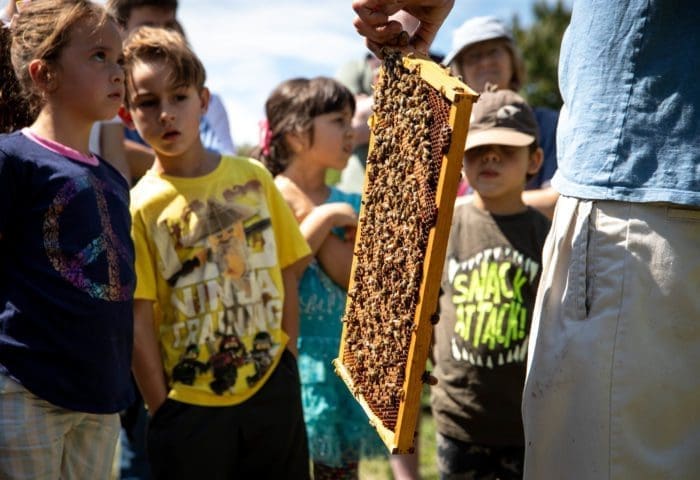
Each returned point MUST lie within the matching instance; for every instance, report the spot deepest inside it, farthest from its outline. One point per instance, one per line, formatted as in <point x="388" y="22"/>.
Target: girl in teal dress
<point x="308" y="131"/>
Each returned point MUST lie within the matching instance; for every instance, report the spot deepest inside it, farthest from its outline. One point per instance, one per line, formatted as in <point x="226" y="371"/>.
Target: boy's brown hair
<point x="154" y="45"/>
<point x="121" y="9"/>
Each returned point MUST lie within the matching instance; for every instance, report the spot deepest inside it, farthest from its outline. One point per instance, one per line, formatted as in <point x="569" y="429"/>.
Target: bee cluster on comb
<point x="406" y="212"/>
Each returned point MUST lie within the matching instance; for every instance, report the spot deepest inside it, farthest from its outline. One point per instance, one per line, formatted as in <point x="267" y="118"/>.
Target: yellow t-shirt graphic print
<point x="212" y="245"/>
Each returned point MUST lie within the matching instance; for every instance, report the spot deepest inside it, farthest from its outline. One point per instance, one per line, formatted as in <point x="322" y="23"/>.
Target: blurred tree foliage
<point x="539" y="45"/>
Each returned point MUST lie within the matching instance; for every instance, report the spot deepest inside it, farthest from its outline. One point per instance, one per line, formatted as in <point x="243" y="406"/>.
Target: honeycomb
<point x="412" y="132"/>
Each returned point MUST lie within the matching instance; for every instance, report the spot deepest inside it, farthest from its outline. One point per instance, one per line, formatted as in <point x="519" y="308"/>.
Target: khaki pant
<point x="40" y="441"/>
<point x="613" y="383"/>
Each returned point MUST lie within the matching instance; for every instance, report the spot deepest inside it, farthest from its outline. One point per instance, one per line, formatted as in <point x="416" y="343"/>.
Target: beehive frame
<point x="397" y="429"/>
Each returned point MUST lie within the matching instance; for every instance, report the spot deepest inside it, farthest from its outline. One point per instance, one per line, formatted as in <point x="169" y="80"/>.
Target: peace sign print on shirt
<point x="74" y="268"/>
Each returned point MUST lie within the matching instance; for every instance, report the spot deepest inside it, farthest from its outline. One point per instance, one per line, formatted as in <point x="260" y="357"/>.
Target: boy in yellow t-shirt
<point x="218" y="255"/>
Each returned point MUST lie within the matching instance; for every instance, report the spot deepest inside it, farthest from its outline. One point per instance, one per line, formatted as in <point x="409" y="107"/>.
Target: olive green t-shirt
<point x="491" y="273"/>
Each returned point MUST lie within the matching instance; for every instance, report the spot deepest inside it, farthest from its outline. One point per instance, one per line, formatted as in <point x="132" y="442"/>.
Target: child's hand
<point x="155" y="405"/>
<point x="340" y="214"/>
<point x="350" y="233"/>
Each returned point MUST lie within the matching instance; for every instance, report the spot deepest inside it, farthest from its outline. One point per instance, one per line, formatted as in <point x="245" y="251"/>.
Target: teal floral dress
<point x="338" y="429"/>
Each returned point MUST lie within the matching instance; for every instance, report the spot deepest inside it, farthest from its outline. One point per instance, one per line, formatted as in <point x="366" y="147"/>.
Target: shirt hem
<point x="625" y="194"/>
<point x="206" y="399"/>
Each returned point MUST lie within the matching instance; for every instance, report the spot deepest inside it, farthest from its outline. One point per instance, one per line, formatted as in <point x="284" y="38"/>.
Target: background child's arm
<point x="333" y="253"/>
<point x="543" y="199"/>
<point x="112" y="147"/>
<point x="335" y="257"/>
<point x="147" y="364"/>
<point x="317" y="225"/>
<point x="138" y="157"/>
<point x="290" y="308"/>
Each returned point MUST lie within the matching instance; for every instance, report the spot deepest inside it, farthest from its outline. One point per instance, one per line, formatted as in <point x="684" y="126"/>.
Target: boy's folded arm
<point x="147" y="364"/>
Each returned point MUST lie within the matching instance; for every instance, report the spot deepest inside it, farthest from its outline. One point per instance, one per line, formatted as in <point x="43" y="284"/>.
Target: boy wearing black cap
<point x="490" y="278"/>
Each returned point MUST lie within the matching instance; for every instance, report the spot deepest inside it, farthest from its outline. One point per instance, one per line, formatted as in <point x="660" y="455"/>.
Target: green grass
<point x="379" y="469"/>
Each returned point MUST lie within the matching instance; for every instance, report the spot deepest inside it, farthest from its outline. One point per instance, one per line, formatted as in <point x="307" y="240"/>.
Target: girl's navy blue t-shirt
<point x="66" y="278"/>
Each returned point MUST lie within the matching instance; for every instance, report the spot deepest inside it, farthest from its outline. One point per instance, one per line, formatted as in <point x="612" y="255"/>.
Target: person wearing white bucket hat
<point x="485" y="40"/>
<point x="483" y="51"/>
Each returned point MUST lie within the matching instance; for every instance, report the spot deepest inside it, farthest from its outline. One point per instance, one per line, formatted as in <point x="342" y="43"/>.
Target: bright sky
<point x="249" y="47"/>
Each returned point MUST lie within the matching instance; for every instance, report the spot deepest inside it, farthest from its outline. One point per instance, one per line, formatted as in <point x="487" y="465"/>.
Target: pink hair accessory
<point x="265" y="136"/>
